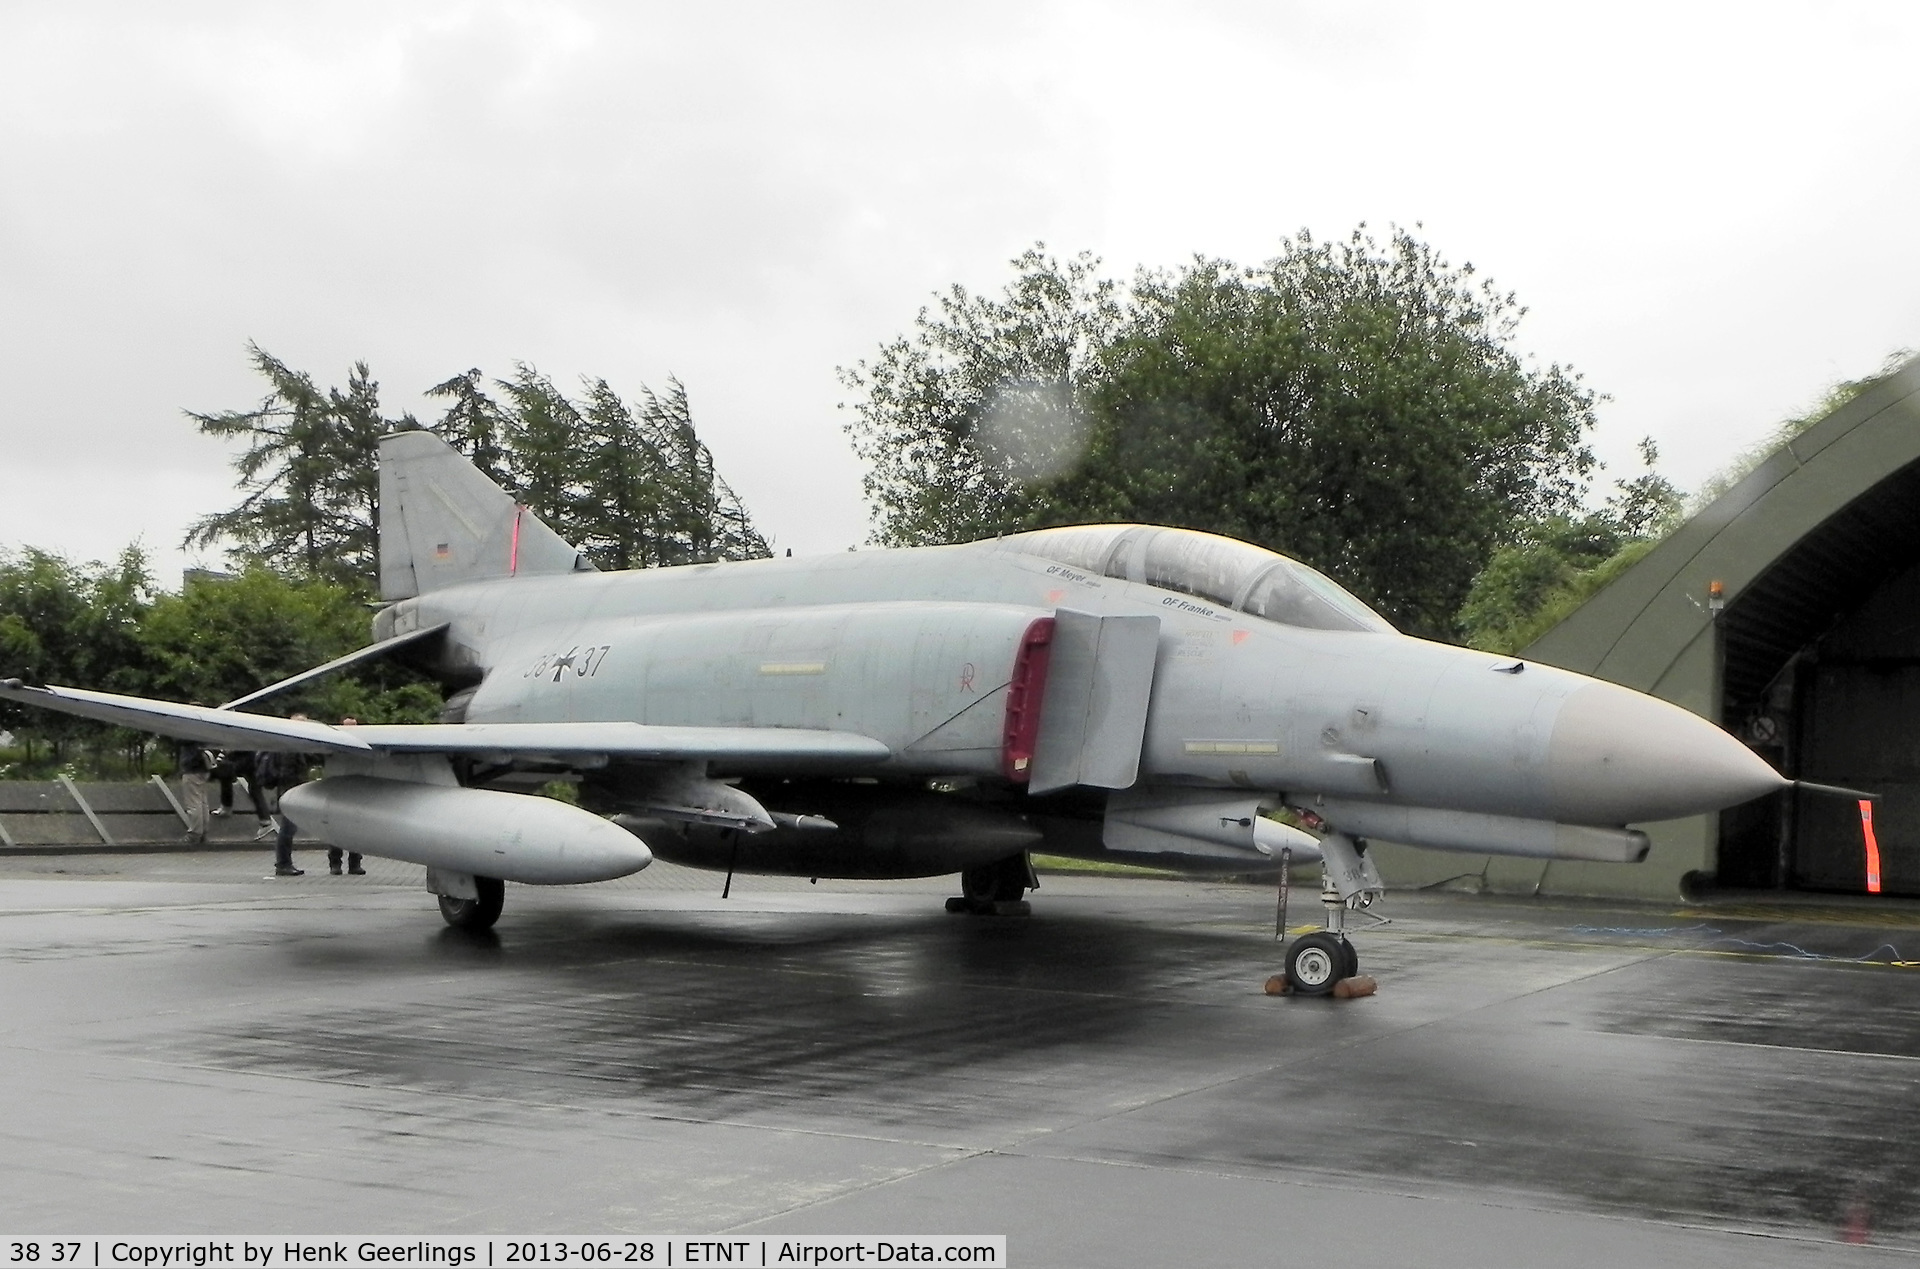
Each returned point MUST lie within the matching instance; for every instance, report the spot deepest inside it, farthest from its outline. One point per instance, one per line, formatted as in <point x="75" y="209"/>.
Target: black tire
<point x="1010" y="883"/>
<point x="479" y="914"/>
<point x="1353" y="958"/>
<point x="1002" y="881"/>
<point x="1316" y="962"/>
<point x="978" y="882"/>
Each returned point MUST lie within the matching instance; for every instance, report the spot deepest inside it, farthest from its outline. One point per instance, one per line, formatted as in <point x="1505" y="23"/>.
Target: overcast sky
<point x="1709" y="210"/>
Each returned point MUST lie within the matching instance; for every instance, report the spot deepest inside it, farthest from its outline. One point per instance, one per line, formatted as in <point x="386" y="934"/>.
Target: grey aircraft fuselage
<point x="917" y="648"/>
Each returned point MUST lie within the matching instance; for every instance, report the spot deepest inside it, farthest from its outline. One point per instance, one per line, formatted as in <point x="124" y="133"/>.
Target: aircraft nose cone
<point x="1617" y="756"/>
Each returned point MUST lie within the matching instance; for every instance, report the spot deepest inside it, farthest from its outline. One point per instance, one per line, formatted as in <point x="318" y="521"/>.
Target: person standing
<point x="283" y="771"/>
<point x="333" y="852"/>
<point x="196" y="770"/>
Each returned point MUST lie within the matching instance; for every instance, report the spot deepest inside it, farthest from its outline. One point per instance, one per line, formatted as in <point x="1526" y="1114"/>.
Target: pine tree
<point x="307" y="474"/>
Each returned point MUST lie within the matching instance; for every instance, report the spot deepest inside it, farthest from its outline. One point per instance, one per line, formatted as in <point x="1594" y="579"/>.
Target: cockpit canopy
<point x="1231" y="573"/>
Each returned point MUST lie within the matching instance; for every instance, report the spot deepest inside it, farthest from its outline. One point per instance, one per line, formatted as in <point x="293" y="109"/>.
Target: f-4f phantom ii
<point x="1119" y="692"/>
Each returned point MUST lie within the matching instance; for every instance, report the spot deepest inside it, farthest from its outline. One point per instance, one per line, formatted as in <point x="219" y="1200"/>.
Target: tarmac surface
<point x="189" y="1046"/>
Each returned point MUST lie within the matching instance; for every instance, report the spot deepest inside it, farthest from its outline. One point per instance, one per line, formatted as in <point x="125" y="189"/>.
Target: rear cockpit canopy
<point x="1235" y="574"/>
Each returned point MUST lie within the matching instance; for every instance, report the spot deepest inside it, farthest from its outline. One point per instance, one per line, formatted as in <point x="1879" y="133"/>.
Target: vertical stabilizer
<point x="443" y="523"/>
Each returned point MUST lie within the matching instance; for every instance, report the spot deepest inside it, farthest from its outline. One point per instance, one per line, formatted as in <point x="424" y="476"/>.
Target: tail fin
<point x="442" y="523"/>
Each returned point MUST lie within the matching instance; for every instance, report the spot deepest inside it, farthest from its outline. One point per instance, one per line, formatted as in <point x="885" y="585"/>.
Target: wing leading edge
<point x="642" y="742"/>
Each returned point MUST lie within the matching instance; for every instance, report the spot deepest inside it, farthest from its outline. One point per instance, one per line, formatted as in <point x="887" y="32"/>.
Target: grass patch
<point x="1098" y="868"/>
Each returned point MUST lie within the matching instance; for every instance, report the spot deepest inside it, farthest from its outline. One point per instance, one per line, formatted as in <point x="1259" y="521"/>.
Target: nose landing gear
<point x="1317" y="962"/>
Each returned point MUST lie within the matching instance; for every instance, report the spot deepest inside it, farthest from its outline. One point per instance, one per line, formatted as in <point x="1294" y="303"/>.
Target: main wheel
<point x="978" y="883"/>
<point x="984" y="885"/>
<point x="1316" y="962"/>
<point x="476" y="914"/>
<point x="1010" y="885"/>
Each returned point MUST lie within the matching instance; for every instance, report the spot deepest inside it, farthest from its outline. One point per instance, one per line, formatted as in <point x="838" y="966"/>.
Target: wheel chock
<point x="989" y="907"/>
<point x="1346" y="989"/>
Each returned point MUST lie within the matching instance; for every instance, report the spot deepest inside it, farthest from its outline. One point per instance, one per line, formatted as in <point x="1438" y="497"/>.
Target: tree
<point x="629" y="476"/>
<point x="703" y="518"/>
<point x="312" y="491"/>
<point x="991" y="393"/>
<point x="1357" y="405"/>
<point x="62" y="622"/>
<point x="1531" y="584"/>
<point x="222" y="637"/>
<point x="545" y="440"/>
<point x="476" y="425"/>
<point x="633" y="488"/>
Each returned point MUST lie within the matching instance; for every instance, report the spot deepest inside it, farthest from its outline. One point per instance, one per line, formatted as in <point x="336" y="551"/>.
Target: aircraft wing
<point x="640" y="741"/>
<point x="219" y="727"/>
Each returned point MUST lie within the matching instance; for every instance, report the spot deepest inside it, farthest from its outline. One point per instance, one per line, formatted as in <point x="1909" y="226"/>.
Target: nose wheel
<point x="1316" y="962"/>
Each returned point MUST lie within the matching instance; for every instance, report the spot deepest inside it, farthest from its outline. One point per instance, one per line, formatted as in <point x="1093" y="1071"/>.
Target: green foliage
<point x="1357" y="405"/>
<point x="658" y="499"/>
<point x="310" y="485"/>
<point x="1535" y="583"/>
<point x="62" y="622"/>
<point x="1647" y="506"/>
<point x="1529" y="586"/>
<point x="220" y="638"/>
<point x="475" y="425"/>
<point x="698" y="515"/>
<point x="1830" y="399"/>
<point x="546" y="440"/>
<point x="991" y="390"/>
<point x="632" y="487"/>
<point x="103" y="626"/>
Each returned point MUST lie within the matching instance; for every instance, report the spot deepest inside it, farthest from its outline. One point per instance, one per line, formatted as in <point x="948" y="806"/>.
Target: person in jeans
<point x="238" y="766"/>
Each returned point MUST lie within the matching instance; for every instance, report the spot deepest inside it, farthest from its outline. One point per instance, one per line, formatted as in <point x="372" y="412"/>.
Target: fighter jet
<point x="1121" y="692"/>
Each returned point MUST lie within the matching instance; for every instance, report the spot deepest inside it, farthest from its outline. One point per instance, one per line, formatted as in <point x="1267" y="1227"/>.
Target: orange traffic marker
<point x="1873" y="847"/>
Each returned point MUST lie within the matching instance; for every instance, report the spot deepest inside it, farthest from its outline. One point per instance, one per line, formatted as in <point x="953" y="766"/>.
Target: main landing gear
<point x="478" y="913"/>
<point x="996" y="889"/>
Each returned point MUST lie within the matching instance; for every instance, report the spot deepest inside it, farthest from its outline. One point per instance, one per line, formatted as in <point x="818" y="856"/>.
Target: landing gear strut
<point x="480" y="912"/>
<point x="995" y="889"/>
<point x="1317" y="961"/>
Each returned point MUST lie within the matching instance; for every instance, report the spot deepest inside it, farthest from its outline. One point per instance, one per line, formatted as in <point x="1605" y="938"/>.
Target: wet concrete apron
<point x="187" y="1046"/>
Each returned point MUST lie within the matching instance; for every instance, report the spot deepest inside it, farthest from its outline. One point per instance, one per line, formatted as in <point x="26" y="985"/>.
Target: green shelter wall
<point x="1654" y="628"/>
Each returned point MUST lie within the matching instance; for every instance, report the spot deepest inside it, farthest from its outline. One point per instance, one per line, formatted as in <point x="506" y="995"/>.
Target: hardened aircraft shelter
<point x="1788" y="611"/>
